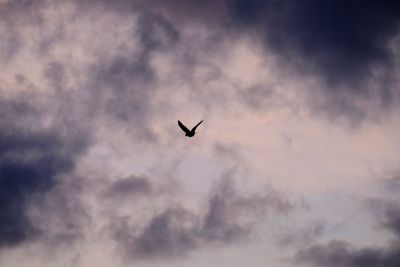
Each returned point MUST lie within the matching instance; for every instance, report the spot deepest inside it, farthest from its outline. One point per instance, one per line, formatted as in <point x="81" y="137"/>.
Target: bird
<point x="188" y="133"/>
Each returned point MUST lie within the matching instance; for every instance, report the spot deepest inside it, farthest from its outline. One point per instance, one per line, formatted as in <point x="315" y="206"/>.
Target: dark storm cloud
<point x="229" y="217"/>
<point x="31" y="159"/>
<point x="346" y="45"/>
<point x="342" y="40"/>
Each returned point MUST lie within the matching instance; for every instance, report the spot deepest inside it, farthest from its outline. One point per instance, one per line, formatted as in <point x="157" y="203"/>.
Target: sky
<point x="297" y="162"/>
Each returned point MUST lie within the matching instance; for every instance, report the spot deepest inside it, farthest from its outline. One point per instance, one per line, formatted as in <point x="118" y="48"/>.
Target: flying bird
<point x="188" y="133"/>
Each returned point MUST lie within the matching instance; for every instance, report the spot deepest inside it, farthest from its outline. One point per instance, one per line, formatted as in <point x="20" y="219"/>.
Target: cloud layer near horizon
<point x="343" y="254"/>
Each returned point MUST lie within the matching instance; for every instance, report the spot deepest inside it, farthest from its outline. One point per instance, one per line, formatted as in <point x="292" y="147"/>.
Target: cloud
<point x="43" y="134"/>
<point x="128" y="187"/>
<point x="112" y="79"/>
<point x="338" y="253"/>
<point x="168" y="234"/>
<point x="392" y="184"/>
<point x="113" y="75"/>
<point x="305" y="235"/>
<point x="341" y="254"/>
<point x="11" y="13"/>
<point x="347" y="47"/>
<point x="70" y="214"/>
<point x="229" y="217"/>
<point x="31" y="161"/>
<point x="341" y="40"/>
<point x="207" y="12"/>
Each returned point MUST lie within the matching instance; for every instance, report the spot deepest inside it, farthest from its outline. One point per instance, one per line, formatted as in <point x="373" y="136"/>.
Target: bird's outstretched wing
<point x="194" y="128"/>
<point x="183" y="127"/>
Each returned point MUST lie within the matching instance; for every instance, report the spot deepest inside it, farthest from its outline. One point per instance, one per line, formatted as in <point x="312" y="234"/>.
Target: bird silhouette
<point x="188" y="133"/>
